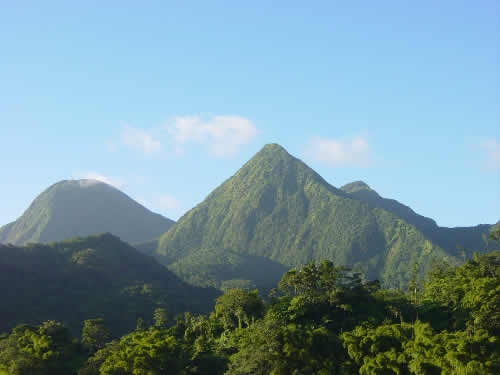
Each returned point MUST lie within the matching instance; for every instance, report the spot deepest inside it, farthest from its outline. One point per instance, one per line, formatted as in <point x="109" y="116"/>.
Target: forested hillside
<point x="93" y="277"/>
<point x="74" y="208"/>
<point x="321" y="319"/>
<point x="458" y="241"/>
<point x="276" y="207"/>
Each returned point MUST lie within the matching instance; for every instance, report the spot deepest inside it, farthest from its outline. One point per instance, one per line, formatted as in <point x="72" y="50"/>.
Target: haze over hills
<point x="73" y="208"/>
<point x="276" y="207"/>
<point x="93" y="277"/>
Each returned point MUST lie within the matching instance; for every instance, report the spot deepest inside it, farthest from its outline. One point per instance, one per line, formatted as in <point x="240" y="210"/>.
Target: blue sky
<point x="166" y="100"/>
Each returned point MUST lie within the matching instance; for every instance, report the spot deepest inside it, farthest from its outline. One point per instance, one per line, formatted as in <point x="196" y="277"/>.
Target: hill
<point x="278" y="208"/>
<point x="84" y="278"/>
<point x="80" y="208"/>
<point x="226" y="269"/>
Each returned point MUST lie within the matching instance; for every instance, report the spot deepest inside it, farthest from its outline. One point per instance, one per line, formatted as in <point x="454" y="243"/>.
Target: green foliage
<point x="276" y="207"/>
<point x="237" y="307"/>
<point x="326" y="294"/>
<point x="449" y="239"/>
<point x="323" y="319"/>
<point x="470" y="294"/>
<point x="95" y="334"/>
<point x="97" y="276"/>
<point x="495" y="233"/>
<point x="74" y="208"/>
<point x="416" y="349"/>
<point x="148" y="352"/>
<point x="160" y="318"/>
<point x="225" y="269"/>
<point x="270" y="348"/>
<point x="47" y="349"/>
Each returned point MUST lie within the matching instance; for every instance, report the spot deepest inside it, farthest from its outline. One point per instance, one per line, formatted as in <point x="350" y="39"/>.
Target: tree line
<point x="320" y="319"/>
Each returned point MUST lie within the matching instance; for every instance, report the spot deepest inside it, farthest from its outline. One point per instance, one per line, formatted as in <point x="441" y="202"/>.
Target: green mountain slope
<point x="276" y="207"/>
<point x="97" y="276"/>
<point x="361" y="191"/>
<point x="83" y="207"/>
<point x="225" y="269"/>
<point x="453" y="240"/>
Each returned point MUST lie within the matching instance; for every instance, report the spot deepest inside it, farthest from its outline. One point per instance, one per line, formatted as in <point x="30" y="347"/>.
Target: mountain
<point x="83" y="207"/>
<point x="453" y="240"/>
<point x="225" y="269"/>
<point x="278" y="208"/>
<point x="83" y="278"/>
<point x="361" y="191"/>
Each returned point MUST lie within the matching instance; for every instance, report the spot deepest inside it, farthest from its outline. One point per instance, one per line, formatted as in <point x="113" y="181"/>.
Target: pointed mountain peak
<point x="274" y="147"/>
<point x="356" y="186"/>
<point x="273" y="151"/>
<point x="273" y="165"/>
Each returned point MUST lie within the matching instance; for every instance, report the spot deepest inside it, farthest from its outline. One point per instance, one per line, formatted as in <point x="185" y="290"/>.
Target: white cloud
<point x="141" y="140"/>
<point x="492" y="149"/>
<point x="222" y="135"/>
<point x="339" y="152"/>
<point x="167" y="203"/>
<point x="92" y="178"/>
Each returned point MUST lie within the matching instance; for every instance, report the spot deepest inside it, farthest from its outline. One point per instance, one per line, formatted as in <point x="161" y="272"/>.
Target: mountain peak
<point x="87" y="182"/>
<point x="274" y="147"/>
<point x="273" y="151"/>
<point x="71" y="208"/>
<point x="81" y="183"/>
<point x="274" y="165"/>
<point x="355" y="186"/>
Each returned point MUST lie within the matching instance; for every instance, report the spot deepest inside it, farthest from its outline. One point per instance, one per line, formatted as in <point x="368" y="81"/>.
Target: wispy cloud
<point x="491" y="148"/>
<point x="221" y="135"/>
<point x="94" y="177"/>
<point x="166" y="204"/>
<point x="339" y="152"/>
<point x="140" y="140"/>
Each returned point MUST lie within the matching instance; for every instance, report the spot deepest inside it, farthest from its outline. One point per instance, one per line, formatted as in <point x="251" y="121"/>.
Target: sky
<point x="166" y="100"/>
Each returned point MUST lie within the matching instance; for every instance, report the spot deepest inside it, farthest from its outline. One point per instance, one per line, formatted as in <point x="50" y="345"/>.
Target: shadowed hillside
<point x="92" y="277"/>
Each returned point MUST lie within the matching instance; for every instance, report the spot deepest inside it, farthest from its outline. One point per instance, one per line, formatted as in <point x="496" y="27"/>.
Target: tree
<point x="140" y="325"/>
<point x="95" y="334"/>
<point x="495" y="233"/>
<point x="46" y="349"/>
<point x="145" y="352"/>
<point x="160" y="317"/>
<point x="237" y="306"/>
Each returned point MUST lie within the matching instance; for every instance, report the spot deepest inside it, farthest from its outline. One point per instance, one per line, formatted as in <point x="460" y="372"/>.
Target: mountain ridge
<point x="452" y="239"/>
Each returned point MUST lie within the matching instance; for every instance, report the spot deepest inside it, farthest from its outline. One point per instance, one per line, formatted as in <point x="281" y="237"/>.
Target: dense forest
<point x="96" y="276"/>
<point x="320" y="319"/>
